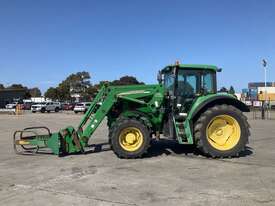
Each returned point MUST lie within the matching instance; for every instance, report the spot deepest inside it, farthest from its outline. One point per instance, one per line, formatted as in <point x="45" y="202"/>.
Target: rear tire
<point x="222" y="131"/>
<point x="129" y="138"/>
<point x="56" y="109"/>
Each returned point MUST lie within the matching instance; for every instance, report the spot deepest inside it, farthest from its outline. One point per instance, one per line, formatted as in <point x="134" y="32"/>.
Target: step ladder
<point x="180" y="132"/>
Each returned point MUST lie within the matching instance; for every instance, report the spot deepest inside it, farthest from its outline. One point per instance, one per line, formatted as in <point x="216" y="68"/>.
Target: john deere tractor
<point x="184" y="106"/>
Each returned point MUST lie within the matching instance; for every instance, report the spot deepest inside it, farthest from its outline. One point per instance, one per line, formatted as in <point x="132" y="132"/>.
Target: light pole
<point x="265" y="68"/>
<point x="264" y="104"/>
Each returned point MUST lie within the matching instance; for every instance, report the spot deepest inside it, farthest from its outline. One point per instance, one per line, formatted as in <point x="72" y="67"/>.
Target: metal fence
<point x="263" y="111"/>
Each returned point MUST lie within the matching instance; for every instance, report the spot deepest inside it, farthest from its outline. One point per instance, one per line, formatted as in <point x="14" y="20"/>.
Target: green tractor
<point x="184" y="106"/>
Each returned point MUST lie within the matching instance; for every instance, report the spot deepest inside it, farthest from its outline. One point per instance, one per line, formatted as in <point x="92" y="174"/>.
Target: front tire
<point x="129" y="138"/>
<point x="222" y="131"/>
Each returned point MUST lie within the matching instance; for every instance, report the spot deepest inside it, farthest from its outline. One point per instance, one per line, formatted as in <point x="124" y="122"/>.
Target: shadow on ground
<point x="164" y="147"/>
<point x="158" y="148"/>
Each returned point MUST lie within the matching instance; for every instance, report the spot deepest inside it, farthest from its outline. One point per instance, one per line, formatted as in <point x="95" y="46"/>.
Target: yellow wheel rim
<point x="130" y="139"/>
<point x="223" y="132"/>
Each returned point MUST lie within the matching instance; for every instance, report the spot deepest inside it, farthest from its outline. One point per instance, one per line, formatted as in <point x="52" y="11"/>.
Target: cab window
<point x="188" y="83"/>
<point x="207" y="83"/>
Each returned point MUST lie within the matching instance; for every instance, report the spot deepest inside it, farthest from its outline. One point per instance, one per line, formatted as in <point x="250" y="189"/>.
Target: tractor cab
<point x="183" y="84"/>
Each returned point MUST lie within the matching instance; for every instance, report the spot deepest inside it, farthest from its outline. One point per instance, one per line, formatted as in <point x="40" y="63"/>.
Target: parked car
<point x="11" y="105"/>
<point x="27" y="106"/>
<point x="67" y="106"/>
<point x="46" y="107"/>
<point x="81" y="107"/>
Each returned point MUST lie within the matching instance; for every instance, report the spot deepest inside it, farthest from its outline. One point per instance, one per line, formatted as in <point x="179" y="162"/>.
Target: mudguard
<point x="202" y="103"/>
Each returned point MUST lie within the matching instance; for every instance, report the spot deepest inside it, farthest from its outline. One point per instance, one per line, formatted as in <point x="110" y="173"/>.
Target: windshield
<point x="188" y="83"/>
<point x="193" y="82"/>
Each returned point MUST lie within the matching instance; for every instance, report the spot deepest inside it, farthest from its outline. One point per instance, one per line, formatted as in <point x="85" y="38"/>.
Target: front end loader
<point x="184" y="107"/>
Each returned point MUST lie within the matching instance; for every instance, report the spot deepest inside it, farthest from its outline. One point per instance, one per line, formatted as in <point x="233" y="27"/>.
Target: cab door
<point x="169" y="85"/>
<point x="186" y="90"/>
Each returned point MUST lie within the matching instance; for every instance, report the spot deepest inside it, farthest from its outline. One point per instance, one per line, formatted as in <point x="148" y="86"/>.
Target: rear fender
<point x="202" y="103"/>
<point x="205" y="102"/>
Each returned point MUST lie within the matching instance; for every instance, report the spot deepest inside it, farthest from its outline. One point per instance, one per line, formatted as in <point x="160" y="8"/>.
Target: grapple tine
<point x="29" y="140"/>
<point x="20" y="144"/>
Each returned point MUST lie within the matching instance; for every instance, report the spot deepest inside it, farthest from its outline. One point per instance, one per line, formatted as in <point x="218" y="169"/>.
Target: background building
<point x="254" y="85"/>
<point x="10" y="95"/>
<point x="256" y="91"/>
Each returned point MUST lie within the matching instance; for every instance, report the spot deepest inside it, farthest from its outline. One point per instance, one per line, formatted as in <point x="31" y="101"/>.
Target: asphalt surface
<point x="170" y="174"/>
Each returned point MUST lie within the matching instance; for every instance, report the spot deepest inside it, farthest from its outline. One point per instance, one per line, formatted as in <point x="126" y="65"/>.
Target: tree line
<point x="79" y="84"/>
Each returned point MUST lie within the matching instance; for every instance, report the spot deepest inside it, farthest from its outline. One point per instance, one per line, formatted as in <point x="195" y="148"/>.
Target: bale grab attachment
<point x="33" y="140"/>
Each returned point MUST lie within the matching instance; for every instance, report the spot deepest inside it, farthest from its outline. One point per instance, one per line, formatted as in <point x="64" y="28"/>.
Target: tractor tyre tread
<point x="200" y="131"/>
<point x="121" y="123"/>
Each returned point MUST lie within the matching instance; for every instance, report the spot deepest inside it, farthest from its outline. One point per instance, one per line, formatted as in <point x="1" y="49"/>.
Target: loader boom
<point x="70" y="140"/>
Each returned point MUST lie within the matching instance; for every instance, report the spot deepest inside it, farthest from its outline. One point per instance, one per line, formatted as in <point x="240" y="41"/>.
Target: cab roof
<point x="191" y="66"/>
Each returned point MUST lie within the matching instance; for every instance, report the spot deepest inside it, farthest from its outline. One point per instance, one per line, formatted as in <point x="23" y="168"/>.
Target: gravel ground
<point x="170" y="174"/>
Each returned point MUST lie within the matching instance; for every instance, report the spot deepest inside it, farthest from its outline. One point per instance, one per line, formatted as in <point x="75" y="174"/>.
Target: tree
<point x="27" y="94"/>
<point x="126" y="80"/>
<point x="51" y="93"/>
<point x="2" y="86"/>
<point x="231" y="90"/>
<point x="92" y="91"/>
<point x="35" y="92"/>
<point x="77" y="83"/>
<point x="223" y="89"/>
<point x="74" y="84"/>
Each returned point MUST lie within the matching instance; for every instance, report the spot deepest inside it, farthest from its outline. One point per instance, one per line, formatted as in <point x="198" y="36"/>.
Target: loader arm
<point x="108" y="96"/>
<point x="99" y="108"/>
<point x="71" y="140"/>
